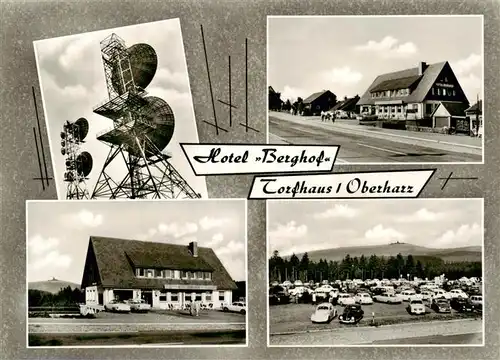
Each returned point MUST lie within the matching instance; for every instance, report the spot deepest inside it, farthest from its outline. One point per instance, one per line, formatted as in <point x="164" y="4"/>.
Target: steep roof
<point x="453" y="108"/>
<point x="475" y="107"/>
<point x="116" y="259"/>
<point x="345" y="104"/>
<point x="396" y="84"/>
<point x="315" y="96"/>
<point x="411" y="76"/>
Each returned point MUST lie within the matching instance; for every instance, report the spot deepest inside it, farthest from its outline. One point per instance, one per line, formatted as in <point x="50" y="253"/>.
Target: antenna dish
<point x="143" y="63"/>
<point x="81" y="128"/>
<point x="159" y="113"/>
<point x="84" y="164"/>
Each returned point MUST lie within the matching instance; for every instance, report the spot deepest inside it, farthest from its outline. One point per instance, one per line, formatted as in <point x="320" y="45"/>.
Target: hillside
<point x="469" y="253"/>
<point x="52" y="286"/>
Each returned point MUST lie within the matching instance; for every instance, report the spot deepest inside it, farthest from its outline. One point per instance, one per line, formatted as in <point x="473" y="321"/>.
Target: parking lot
<point x="296" y="317"/>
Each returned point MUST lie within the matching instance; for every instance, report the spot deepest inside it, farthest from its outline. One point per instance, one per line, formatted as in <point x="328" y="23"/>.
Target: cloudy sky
<point x="300" y="226"/>
<point x="345" y="54"/>
<point x="73" y="83"/>
<point x="57" y="244"/>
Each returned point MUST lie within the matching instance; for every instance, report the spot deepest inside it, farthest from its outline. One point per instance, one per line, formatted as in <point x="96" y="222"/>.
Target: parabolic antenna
<point x="159" y="113"/>
<point x="84" y="164"/>
<point x="82" y="127"/>
<point x="143" y="63"/>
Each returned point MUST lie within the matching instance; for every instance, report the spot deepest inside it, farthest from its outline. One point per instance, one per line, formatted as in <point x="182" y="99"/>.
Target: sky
<point x="303" y="226"/>
<point x="58" y="231"/>
<point x="345" y="54"/>
<point x="72" y="81"/>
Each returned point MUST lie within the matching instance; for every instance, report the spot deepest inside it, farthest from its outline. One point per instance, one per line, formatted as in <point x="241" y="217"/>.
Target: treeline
<point x="372" y="267"/>
<point x="65" y="297"/>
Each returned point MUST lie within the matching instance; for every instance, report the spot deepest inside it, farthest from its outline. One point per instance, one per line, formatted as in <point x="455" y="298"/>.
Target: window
<point x="208" y="296"/>
<point x="399" y="109"/>
<point x="222" y="296"/>
<point x="198" y="297"/>
<point x="158" y="273"/>
<point x="445" y="79"/>
<point x="184" y="275"/>
<point x="139" y="272"/>
<point x="432" y="91"/>
<point x="163" y="296"/>
<point x="199" y="275"/>
<point x="174" y="297"/>
<point x="207" y="276"/>
<point x="168" y="274"/>
<point x="428" y="108"/>
<point x="150" y="273"/>
<point x="454" y="93"/>
<point x="190" y="275"/>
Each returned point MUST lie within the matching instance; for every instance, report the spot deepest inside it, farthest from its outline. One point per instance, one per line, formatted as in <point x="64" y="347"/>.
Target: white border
<point x="343" y="162"/>
<point x="373" y="345"/>
<point x="81" y="203"/>
<point x="53" y="151"/>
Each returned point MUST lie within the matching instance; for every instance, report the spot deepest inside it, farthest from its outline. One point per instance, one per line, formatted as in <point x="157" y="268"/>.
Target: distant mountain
<point x="52" y="286"/>
<point x="469" y="253"/>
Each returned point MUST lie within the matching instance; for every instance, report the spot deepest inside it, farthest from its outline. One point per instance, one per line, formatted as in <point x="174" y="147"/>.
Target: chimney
<point x="422" y="66"/>
<point x="193" y="247"/>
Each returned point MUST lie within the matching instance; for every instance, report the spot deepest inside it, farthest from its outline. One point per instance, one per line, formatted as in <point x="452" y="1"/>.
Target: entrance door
<point x="147" y="296"/>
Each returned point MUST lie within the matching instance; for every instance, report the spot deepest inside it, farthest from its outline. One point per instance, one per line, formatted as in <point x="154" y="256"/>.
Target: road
<point x="434" y="332"/>
<point x="360" y="148"/>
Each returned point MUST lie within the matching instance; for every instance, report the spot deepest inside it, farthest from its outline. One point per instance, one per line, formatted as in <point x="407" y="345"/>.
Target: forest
<point x="371" y="267"/>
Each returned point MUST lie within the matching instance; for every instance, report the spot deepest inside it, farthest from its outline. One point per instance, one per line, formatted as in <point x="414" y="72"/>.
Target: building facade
<point x="318" y="102"/>
<point x="164" y="275"/>
<point x="413" y="94"/>
<point x="274" y="100"/>
<point x="474" y="115"/>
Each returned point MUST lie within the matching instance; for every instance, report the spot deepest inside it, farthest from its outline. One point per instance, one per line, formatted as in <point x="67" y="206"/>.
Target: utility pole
<point x="477" y="115"/>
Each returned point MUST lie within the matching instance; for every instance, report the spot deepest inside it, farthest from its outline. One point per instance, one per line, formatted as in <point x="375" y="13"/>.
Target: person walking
<point x="314" y="298"/>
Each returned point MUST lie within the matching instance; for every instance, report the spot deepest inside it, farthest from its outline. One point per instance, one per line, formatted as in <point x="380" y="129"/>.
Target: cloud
<point x="177" y="230"/>
<point x="216" y="240"/>
<point x="208" y="223"/>
<point x="53" y="259"/>
<point x="291" y="93"/>
<point x="379" y="234"/>
<point x="337" y="211"/>
<point x="43" y="253"/>
<point x="178" y="81"/>
<point x="344" y="76"/>
<point x="464" y="66"/>
<point x="290" y="230"/>
<point x="388" y="47"/>
<point x="38" y="245"/>
<point x="87" y="218"/>
<point x="231" y="248"/>
<point x="74" y="54"/>
<point x="465" y="235"/>
<point x="422" y="215"/>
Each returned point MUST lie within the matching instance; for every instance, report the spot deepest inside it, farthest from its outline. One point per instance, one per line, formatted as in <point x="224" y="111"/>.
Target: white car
<point x="286" y="283"/>
<point x="324" y="313"/>
<point x="299" y="290"/>
<point x="476" y="300"/>
<point x="416" y="306"/>
<point x="138" y="305"/>
<point x="440" y="293"/>
<point x="345" y="299"/>
<point x="117" y="306"/>
<point x="458" y="293"/>
<point x="388" y="297"/>
<point x="298" y="283"/>
<point x="427" y="295"/>
<point x="326" y="288"/>
<point x="237" y="306"/>
<point x="363" y="298"/>
<point x="407" y="295"/>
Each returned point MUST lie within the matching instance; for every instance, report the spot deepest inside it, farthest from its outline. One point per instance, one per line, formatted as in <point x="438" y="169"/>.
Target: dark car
<point x="462" y="305"/>
<point x="441" y="305"/>
<point x="352" y="314"/>
<point x="278" y="295"/>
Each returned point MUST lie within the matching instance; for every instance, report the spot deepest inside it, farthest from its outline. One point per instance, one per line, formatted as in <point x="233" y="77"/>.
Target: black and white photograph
<point x="387" y="89"/>
<point x="166" y="273"/>
<point x="375" y="272"/>
<point x="117" y="103"/>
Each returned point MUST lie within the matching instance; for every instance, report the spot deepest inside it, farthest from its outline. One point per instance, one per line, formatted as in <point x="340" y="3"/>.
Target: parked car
<point x="389" y="298"/>
<point x="427" y="295"/>
<point x="477" y="300"/>
<point x="440" y="293"/>
<point x="416" y="307"/>
<point x="298" y="283"/>
<point x="441" y="305"/>
<point x="237" y="306"/>
<point x="363" y="298"/>
<point x="117" y="306"/>
<point x="138" y="305"/>
<point x="458" y="293"/>
<point x="324" y="313"/>
<point x="407" y="295"/>
<point x="461" y="304"/>
<point x="345" y="299"/>
<point x="299" y="290"/>
<point x="352" y="314"/>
